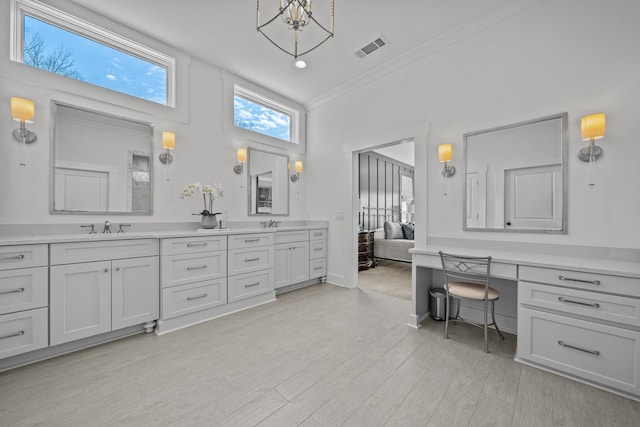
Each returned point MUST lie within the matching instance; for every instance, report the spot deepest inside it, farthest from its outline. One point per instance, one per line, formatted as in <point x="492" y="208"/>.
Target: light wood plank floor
<point x="321" y="356"/>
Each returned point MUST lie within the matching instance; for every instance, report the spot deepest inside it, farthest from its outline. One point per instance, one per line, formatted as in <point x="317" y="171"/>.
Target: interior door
<point x="533" y="197"/>
<point x="81" y="190"/>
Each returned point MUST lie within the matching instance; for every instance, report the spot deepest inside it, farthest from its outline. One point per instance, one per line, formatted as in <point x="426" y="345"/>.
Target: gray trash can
<point x="438" y="304"/>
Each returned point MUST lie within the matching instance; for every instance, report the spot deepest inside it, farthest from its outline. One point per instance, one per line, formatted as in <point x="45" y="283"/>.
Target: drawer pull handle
<point x="251" y="240"/>
<point x="317" y="249"/>
<point x="317" y="234"/>
<point x="12" y="258"/>
<point x="568" y="301"/>
<point x="193" y="245"/>
<point x="17" y="334"/>
<point x="594" y="352"/>
<point x="317" y="268"/>
<point x="198" y="267"/>
<point x="15" y="291"/>
<point x="569" y="279"/>
<point x="198" y="297"/>
<point x="251" y="285"/>
<point x="252" y="259"/>
<point x="106" y="270"/>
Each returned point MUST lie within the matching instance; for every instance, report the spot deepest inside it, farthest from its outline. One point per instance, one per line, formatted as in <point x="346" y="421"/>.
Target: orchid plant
<point x="209" y="194"/>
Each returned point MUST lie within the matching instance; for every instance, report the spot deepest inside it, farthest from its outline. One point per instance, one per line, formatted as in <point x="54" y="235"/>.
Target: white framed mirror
<point x="100" y="163"/>
<point x="516" y="177"/>
<point x="268" y="183"/>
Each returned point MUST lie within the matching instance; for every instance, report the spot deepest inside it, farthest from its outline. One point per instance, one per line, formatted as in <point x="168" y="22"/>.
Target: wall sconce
<point x="23" y="110"/>
<point x="298" y="168"/>
<point x="168" y="143"/>
<point x="592" y="127"/>
<point x="445" y="153"/>
<point x="242" y="159"/>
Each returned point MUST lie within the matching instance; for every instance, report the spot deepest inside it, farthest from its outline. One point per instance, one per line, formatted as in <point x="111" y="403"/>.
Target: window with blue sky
<point x="57" y="50"/>
<point x="257" y="117"/>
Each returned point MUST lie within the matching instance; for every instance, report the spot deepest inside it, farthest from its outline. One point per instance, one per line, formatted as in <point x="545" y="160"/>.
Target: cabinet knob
<point x="106" y="270"/>
<point x="117" y="268"/>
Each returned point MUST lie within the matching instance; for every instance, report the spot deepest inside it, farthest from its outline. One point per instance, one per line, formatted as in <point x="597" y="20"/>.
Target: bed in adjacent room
<point x="393" y="241"/>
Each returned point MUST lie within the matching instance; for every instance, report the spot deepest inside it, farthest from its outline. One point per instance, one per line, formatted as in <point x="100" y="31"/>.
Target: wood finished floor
<point x="321" y="356"/>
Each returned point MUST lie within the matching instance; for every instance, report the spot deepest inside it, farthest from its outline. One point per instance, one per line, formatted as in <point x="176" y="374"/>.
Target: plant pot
<point x="208" y="221"/>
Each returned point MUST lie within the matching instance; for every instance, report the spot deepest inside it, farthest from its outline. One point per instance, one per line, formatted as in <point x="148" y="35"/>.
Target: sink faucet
<point x="107" y="227"/>
<point x="92" y="231"/>
<point x="121" y="228"/>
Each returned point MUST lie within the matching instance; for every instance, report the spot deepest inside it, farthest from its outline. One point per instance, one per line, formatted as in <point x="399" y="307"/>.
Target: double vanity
<point x="65" y="292"/>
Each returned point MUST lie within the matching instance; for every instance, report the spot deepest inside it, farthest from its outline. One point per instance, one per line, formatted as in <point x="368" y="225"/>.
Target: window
<point x="55" y="41"/>
<point x="262" y="115"/>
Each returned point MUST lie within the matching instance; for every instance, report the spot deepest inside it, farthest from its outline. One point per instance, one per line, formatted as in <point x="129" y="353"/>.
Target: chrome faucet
<point x="92" y="231"/>
<point x="107" y="227"/>
<point x="121" y="229"/>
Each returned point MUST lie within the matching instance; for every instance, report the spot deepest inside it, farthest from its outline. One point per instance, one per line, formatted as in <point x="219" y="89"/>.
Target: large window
<point x="55" y="41"/>
<point x="262" y="115"/>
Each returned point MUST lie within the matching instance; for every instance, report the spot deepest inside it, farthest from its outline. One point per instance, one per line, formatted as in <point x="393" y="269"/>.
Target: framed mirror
<point x="268" y="183"/>
<point x="100" y="163"/>
<point x="516" y="177"/>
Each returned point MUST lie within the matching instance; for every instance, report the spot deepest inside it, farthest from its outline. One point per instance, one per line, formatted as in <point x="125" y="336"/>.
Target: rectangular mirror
<point x="100" y="163"/>
<point x="516" y="177"/>
<point x="268" y="183"/>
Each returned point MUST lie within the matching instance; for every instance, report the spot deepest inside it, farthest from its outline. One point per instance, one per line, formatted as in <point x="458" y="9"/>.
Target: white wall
<point x="203" y="151"/>
<point x="577" y="56"/>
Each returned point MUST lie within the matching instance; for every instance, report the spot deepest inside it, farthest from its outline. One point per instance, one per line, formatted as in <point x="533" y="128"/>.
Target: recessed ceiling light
<point x="300" y="63"/>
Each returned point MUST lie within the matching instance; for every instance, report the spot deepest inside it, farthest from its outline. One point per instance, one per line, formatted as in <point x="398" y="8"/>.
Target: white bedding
<point x="393" y="249"/>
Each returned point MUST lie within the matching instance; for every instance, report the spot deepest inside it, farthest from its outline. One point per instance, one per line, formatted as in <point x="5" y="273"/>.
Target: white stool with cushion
<point x="468" y="278"/>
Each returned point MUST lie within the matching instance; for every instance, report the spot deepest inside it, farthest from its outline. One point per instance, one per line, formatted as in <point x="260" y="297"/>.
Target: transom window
<point x="52" y="40"/>
<point x="262" y="115"/>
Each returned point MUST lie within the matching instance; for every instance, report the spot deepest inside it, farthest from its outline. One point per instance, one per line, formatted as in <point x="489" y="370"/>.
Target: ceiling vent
<point x="371" y="47"/>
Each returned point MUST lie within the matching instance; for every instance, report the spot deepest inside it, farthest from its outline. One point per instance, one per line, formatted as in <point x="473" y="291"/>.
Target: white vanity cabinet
<point x="250" y="265"/>
<point x="317" y="253"/>
<point x="24" y="299"/>
<point x="583" y="324"/>
<point x="291" y="258"/>
<point x="102" y="286"/>
<point x="193" y="274"/>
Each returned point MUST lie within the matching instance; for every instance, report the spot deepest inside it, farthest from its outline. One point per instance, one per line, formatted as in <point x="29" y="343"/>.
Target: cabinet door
<point x="80" y="301"/>
<point x="299" y="262"/>
<point x="282" y="266"/>
<point x="135" y="287"/>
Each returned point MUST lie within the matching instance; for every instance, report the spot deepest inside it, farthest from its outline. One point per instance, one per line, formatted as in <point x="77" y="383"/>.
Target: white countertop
<point x="83" y="237"/>
<point x="536" y="259"/>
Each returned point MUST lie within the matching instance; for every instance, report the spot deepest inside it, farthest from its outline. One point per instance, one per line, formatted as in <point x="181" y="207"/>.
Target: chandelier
<point x="296" y="15"/>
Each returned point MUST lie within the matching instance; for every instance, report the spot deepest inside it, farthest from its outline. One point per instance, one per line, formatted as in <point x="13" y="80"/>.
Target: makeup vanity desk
<point x="576" y="316"/>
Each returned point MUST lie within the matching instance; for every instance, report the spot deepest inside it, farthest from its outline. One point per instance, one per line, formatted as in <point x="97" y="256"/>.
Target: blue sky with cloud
<point x="258" y="118"/>
<point x="102" y="65"/>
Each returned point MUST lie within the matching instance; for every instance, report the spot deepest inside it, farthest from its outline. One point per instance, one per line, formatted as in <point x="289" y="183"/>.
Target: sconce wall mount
<point x="168" y="143"/>
<point x="592" y="128"/>
<point x="241" y="156"/>
<point x="298" y="168"/>
<point x="445" y="153"/>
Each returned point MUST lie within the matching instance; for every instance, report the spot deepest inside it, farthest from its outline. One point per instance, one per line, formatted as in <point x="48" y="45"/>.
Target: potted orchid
<point x="209" y="194"/>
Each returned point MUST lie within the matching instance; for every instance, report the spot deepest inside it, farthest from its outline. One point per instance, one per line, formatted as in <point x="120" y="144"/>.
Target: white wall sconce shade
<point x="23" y="110"/>
<point x="241" y="156"/>
<point x="168" y="143"/>
<point x="298" y="168"/>
<point x="445" y="154"/>
<point x="592" y="127"/>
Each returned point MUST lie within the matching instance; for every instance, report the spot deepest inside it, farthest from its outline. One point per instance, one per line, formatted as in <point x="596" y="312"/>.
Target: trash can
<point x="438" y="304"/>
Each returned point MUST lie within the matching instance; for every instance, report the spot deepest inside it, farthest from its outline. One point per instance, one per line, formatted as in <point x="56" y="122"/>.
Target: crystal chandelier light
<point x="296" y="15"/>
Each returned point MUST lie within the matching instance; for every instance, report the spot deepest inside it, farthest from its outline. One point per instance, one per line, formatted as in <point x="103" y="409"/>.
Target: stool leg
<point x="486" y="342"/>
<point x="446" y="316"/>
<point x="493" y="317"/>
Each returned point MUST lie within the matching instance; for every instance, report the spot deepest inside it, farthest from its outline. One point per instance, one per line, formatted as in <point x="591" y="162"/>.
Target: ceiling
<point x="224" y="34"/>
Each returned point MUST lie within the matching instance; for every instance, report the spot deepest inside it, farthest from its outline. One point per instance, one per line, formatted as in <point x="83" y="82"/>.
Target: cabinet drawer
<point x="238" y="241"/>
<point x="291" y="236"/>
<point x="192" y="245"/>
<point x="318" y="267"/>
<point x="185" y="299"/>
<point x="600" y="353"/>
<point x="579" y="280"/>
<point x="23" y="289"/>
<point x="70" y="253"/>
<point x="183" y="269"/>
<point x="318" y="234"/>
<point x="23" y="331"/>
<point x="23" y="256"/>
<point x="613" y="308"/>
<point x="317" y="249"/>
<point x="247" y="285"/>
<point x="250" y="259"/>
